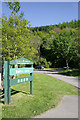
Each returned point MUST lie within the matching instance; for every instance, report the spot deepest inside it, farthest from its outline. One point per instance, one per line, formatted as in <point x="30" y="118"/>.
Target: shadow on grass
<point x="1" y="96"/>
<point x="13" y="92"/>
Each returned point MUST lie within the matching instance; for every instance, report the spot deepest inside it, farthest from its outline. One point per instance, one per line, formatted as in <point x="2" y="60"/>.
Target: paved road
<point x="71" y="80"/>
<point x="68" y="108"/>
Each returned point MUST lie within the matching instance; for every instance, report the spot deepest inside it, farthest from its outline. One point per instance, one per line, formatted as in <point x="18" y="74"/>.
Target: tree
<point x="17" y="39"/>
<point x="65" y="47"/>
<point x="14" y="6"/>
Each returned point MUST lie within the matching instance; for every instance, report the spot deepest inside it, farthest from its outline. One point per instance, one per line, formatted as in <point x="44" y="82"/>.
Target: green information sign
<point x="21" y="61"/>
<point x="16" y="71"/>
<point x="8" y="72"/>
<point x="20" y="80"/>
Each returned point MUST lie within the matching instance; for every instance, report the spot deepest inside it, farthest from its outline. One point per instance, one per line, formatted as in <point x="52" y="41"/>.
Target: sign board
<point x="20" y="80"/>
<point x="21" y="61"/>
<point x="16" y="71"/>
<point x="8" y="71"/>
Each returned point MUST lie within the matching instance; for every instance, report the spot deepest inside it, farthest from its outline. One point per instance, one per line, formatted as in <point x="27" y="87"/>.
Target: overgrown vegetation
<point x="47" y="94"/>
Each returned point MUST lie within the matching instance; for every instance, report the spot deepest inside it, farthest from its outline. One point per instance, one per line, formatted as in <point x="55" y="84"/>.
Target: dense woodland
<point x="50" y="46"/>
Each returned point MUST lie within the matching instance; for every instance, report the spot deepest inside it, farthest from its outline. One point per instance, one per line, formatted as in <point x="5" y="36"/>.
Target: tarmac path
<point x="68" y="108"/>
<point x="71" y="80"/>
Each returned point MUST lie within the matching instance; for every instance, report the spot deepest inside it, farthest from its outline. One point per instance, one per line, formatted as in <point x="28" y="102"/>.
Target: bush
<point x="44" y="62"/>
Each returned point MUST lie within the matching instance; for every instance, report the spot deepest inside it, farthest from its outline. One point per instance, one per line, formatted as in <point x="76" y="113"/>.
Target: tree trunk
<point x="15" y="56"/>
<point x="67" y="64"/>
<point x="8" y="53"/>
<point x="15" y="66"/>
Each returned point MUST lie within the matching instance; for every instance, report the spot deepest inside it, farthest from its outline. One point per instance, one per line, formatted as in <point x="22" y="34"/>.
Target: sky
<point x="46" y="13"/>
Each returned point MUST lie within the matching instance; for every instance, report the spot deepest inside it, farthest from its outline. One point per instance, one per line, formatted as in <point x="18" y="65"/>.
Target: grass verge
<point x="47" y="93"/>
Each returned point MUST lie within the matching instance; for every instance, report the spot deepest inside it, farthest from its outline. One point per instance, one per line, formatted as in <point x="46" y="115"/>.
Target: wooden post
<point x="5" y="82"/>
<point x="9" y="89"/>
<point x="31" y="83"/>
<point x="7" y="93"/>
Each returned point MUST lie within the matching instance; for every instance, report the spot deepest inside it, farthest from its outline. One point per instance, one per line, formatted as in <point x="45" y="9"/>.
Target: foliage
<point x="14" y="6"/>
<point x="44" y="62"/>
<point x="17" y="40"/>
<point x="64" y="46"/>
<point x="52" y="46"/>
<point x="60" y="43"/>
<point x="72" y="24"/>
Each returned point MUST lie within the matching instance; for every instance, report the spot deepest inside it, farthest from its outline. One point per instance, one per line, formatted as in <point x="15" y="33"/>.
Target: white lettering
<point x="26" y="79"/>
<point x="19" y="71"/>
<point x="18" y="80"/>
<point x="21" y="80"/>
<point x="26" y="71"/>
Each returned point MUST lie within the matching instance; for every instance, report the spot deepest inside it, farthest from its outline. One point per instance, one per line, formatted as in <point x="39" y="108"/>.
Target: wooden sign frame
<point x="8" y="71"/>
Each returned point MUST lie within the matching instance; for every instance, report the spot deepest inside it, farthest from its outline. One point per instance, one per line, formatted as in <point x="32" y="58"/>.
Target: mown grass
<point x="71" y="72"/>
<point x="47" y="94"/>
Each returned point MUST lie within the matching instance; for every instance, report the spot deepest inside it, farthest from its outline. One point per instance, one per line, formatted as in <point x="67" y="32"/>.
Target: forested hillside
<point x="59" y="44"/>
<point x="72" y="24"/>
<point x="51" y="46"/>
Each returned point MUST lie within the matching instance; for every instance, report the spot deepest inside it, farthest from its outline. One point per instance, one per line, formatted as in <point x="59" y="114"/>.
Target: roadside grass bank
<point x="47" y="94"/>
<point x="71" y="72"/>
